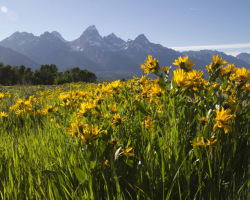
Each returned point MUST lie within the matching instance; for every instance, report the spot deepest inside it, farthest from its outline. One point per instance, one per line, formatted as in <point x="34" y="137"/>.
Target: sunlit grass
<point x="136" y="139"/>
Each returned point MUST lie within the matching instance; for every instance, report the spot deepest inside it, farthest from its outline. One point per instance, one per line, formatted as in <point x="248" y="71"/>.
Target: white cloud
<point x="230" y="49"/>
<point x="235" y="53"/>
<point x="225" y="46"/>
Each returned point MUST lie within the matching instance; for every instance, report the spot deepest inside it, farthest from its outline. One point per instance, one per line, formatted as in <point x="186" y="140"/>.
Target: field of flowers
<point x="188" y="138"/>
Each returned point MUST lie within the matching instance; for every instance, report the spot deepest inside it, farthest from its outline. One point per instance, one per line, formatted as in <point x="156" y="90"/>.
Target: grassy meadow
<point x="185" y="138"/>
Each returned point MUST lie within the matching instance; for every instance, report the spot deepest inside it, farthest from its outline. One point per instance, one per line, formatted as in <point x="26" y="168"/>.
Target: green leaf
<point x="48" y="172"/>
<point x="196" y="153"/>
<point x="102" y="146"/>
<point x="92" y="164"/>
<point x="130" y="163"/>
<point x="80" y="174"/>
<point x="162" y="82"/>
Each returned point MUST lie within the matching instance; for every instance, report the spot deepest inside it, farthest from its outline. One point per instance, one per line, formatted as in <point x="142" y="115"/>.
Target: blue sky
<point x="179" y="24"/>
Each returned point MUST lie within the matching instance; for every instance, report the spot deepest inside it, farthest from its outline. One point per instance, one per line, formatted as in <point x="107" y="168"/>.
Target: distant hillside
<point x="206" y="55"/>
<point x="245" y="57"/>
<point x="10" y="57"/>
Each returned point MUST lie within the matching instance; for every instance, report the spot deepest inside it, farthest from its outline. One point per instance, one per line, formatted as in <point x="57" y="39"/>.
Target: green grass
<point x="40" y="159"/>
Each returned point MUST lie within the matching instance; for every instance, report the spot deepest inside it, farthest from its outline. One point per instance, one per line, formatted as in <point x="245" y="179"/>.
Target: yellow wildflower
<point x="203" y="119"/>
<point x="189" y="65"/>
<point x="223" y="119"/>
<point x="113" y="108"/>
<point x="86" y="107"/>
<point x="150" y="65"/>
<point x="117" y="120"/>
<point x="209" y="67"/>
<point x="194" y="89"/>
<point x="211" y="143"/>
<point x="8" y="93"/>
<point x="196" y="78"/>
<point x="55" y="109"/>
<point x="32" y="98"/>
<point x="49" y="108"/>
<point x="105" y="163"/>
<point x="232" y="102"/>
<point x="3" y="114"/>
<point x="116" y="85"/>
<point x="181" y="78"/>
<point x="145" y="91"/>
<point x="75" y="127"/>
<point x="165" y="69"/>
<point x="20" y="102"/>
<point x="242" y="74"/>
<point x="184" y="63"/>
<point x="1" y="96"/>
<point x="201" y="142"/>
<point x="180" y="60"/>
<point x="159" y="110"/>
<point x="218" y="60"/>
<point x="246" y="87"/>
<point x="90" y="134"/>
<point x="232" y="77"/>
<point x="143" y="80"/>
<point x="230" y="68"/>
<point x="107" y="90"/>
<point x="148" y="122"/>
<point x="42" y="112"/>
<point x="126" y="152"/>
<point x="65" y="98"/>
<point x="156" y="90"/>
<point x="214" y="84"/>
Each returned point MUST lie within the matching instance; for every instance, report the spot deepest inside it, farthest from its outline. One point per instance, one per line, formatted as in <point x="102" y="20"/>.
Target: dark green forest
<point x="46" y="75"/>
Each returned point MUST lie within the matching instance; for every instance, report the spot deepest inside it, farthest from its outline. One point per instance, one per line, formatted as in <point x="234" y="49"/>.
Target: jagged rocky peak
<point x="90" y="37"/>
<point x="59" y="36"/>
<point x="19" y="39"/>
<point x="112" y="38"/>
<point x="140" y="43"/>
<point x="47" y="36"/>
<point x="18" y="35"/>
<point x="91" y="28"/>
<point x="113" y="43"/>
<point x="45" y="33"/>
<point x="112" y="35"/>
<point x="52" y="36"/>
<point x="141" y="39"/>
<point x="91" y="32"/>
<point x="56" y="34"/>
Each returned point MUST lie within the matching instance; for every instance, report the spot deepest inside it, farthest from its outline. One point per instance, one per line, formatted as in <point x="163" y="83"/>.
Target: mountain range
<point x="107" y="56"/>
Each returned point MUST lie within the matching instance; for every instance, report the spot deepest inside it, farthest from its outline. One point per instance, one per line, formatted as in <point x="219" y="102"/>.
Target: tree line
<point x="46" y="75"/>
